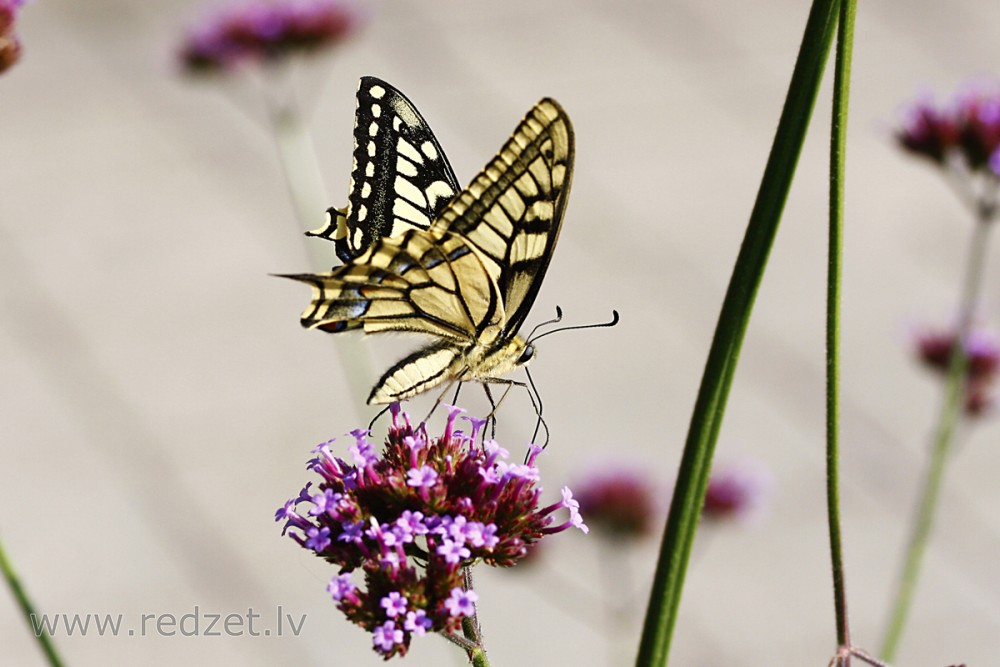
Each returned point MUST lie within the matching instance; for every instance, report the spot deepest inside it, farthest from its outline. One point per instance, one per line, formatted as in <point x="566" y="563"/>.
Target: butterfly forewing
<point x="400" y="179"/>
<point x="512" y="211"/>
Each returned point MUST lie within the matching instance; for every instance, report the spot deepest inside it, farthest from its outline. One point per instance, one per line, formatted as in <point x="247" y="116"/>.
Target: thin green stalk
<point x="472" y="630"/>
<point x="706" y="419"/>
<point x="838" y="148"/>
<point x="42" y="637"/>
<point x="302" y="176"/>
<point x="950" y="413"/>
<point x="479" y="658"/>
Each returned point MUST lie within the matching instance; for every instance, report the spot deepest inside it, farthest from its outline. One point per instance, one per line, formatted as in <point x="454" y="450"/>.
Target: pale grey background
<point x="159" y="398"/>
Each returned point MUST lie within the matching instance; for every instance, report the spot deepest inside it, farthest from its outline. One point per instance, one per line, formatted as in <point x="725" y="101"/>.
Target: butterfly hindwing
<point x="407" y="283"/>
<point x="468" y="273"/>
<point x="400" y="179"/>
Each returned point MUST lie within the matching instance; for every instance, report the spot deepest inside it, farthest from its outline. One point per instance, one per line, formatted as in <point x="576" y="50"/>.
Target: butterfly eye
<point x="526" y="356"/>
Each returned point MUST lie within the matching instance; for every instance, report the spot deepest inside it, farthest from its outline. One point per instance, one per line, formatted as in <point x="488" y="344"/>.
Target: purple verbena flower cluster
<point x="264" y="32"/>
<point x="982" y="349"/>
<point x="411" y="518"/>
<point x="967" y="128"/>
<point x="10" y="45"/>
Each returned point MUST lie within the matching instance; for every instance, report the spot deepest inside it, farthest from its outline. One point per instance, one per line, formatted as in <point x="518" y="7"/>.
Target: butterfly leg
<point x="533" y="393"/>
<point x="533" y="396"/>
<point x="540" y="423"/>
<point x="491" y="418"/>
<point x="437" y="401"/>
<point x="381" y="412"/>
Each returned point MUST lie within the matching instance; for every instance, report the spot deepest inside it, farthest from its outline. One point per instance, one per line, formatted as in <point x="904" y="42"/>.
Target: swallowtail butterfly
<point x="466" y="270"/>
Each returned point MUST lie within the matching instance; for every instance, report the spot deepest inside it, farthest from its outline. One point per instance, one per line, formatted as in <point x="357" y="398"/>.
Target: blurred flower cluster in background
<point x="966" y="129"/>
<point x="10" y="45"/>
<point x="265" y="33"/>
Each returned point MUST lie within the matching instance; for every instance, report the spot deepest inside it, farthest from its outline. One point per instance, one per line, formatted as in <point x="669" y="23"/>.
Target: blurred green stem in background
<point x="951" y="406"/>
<point x="30" y="615"/>
<point x="706" y="419"/>
<point x="309" y="199"/>
<point x="838" y="152"/>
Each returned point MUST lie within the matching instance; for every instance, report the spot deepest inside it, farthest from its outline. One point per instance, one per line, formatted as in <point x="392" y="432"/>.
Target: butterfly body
<point x="467" y="279"/>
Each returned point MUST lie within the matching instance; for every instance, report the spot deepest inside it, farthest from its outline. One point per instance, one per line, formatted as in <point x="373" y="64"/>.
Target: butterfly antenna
<point x="614" y="320"/>
<point x="554" y="320"/>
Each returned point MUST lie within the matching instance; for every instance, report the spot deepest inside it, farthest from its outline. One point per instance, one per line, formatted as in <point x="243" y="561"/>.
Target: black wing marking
<point x="401" y="178"/>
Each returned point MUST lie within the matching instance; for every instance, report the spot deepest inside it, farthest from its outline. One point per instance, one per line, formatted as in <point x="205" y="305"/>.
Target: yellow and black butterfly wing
<point x="410" y="283"/>
<point x="471" y="277"/>
<point x="512" y="211"/>
<point x="401" y="178"/>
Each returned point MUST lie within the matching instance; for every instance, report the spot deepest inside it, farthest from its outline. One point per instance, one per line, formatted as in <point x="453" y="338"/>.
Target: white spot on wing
<point x="405" y="113"/>
<point x="373" y="129"/>
<point x="376" y="111"/>
<point x="362" y="213"/>
<point x="377" y="92"/>
<point x="428" y="148"/>
<point x="404" y="209"/>
<point x="405" y="167"/>
<point x="369" y="169"/>
<point x="407" y="189"/>
<point x="438" y="190"/>
<point x="371" y="149"/>
<point x="366" y="190"/>
<point x="404" y="147"/>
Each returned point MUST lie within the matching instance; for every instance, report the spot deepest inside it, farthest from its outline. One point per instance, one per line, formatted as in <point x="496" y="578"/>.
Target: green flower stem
<point x="706" y="419"/>
<point x="301" y="170"/>
<point x="44" y="641"/>
<point x="478" y="658"/>
<point x="300" y="166"/>
<point x="951" y="407"/>
<point x="838" y="148"/>
<point x="471" y="629"/>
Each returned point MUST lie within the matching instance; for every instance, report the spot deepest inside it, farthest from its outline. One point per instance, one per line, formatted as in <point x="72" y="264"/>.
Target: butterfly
<point x="400" y="179"/>
<point x="467" y="270"/>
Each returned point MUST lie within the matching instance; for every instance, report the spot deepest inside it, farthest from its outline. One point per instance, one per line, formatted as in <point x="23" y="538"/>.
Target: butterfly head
<point x="500" y="359"/>
<point x="527" y="354"/>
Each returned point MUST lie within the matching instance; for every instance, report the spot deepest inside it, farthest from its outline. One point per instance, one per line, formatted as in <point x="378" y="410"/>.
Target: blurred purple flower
<point x="735" y="492"/>
<point x="411" y="518"/>
<point x="927" y="132"/>
<point x="618" y="502"/>
<point x="968" y="127"/>
<point x="10" y="44"/>
<point x="982" y="347"/>
<point x="265" y="32"/>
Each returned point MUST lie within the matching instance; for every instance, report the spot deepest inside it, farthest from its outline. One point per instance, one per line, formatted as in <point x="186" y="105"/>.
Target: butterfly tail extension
<point x="424" y="369"/>
<point x="335" y="229"/>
